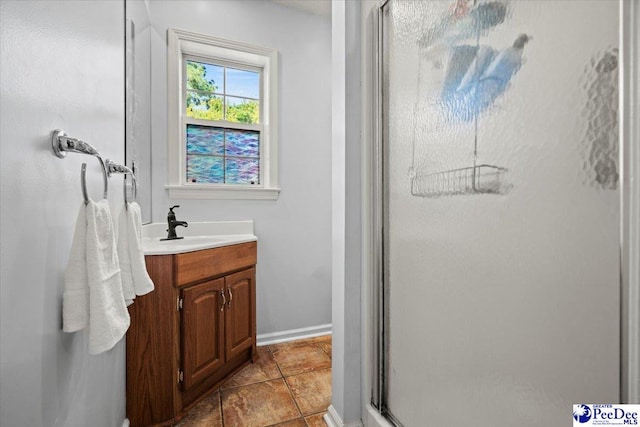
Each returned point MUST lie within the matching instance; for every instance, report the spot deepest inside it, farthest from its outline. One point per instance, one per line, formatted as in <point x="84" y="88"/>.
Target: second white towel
<point x="135" y="278"/>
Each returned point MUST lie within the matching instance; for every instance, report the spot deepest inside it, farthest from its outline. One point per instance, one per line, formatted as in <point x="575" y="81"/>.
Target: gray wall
<point x="294" y="248"/>
<point x="62" y="67"/>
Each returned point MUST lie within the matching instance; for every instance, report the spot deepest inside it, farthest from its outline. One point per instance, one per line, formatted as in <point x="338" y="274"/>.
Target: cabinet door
<point x="202" y="331"/>
<point x="240" y="311"/>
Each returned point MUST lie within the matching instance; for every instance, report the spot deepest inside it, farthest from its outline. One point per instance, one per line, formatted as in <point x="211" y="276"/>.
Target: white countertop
<point x="197" y="236"/>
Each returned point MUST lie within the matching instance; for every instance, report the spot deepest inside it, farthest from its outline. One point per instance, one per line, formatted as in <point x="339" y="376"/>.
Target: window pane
<point x="206" y="77"/>
<point x="205" y="140"/>
<point x="203" y="106"/>
<point x="243" y="83"/>
<point x="243" y="171"/>
<point x="205" y="169"/>
<point x="242" y="110"/>
<point x="242" y="143"/>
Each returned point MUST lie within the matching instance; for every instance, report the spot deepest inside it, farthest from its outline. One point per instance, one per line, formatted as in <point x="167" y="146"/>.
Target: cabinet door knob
<point x="230" y="297"/>
<point x="224" y="299"/>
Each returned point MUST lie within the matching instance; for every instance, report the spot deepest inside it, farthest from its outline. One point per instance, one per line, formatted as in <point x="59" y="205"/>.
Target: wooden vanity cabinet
<point x="192" y="332"/>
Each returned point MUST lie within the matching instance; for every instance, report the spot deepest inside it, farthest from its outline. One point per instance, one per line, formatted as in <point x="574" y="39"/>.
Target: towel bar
<point x="62" y="144"/>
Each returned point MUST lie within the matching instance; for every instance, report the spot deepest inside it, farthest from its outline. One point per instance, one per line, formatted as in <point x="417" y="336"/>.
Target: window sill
<point x="222" y="193"/>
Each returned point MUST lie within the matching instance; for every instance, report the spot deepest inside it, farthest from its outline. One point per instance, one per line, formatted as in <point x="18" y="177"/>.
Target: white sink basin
<point x="198" y="236"/>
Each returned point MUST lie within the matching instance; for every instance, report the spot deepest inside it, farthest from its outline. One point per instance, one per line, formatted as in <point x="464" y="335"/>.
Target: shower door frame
<point x="629" y="159"/>
<point x="380" y="292"/>
<point x="630" y="202"/>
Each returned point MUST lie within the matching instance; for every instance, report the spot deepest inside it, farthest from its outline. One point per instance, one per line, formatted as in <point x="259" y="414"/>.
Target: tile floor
<point x="288" y="386"/>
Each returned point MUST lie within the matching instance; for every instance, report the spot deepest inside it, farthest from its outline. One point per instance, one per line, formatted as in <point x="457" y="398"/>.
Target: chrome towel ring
<point x="83" y="181"/>
<point x="113" y="167"/>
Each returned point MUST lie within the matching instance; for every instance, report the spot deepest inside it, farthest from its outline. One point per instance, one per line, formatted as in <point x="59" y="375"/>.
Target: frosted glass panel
<point x="242" y="143"/>
<point x="501" y="210"/>
<point x="243" y="171"/>
<point x="217" y="155"/>
<point x="205" y="140"/>
<point x="205" y="169"/>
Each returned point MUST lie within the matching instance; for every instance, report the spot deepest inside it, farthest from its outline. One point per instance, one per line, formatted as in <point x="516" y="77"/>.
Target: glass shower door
<point x="500" y="211"/>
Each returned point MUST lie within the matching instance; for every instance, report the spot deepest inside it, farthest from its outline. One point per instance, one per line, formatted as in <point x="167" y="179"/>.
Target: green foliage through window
<point x="206" y="98"/>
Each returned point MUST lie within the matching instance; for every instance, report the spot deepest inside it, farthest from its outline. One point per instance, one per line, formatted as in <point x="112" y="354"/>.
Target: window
<point x="222" y="118"/>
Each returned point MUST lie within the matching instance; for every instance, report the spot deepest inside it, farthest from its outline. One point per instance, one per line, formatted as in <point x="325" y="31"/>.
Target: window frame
<point x="185" y="45"/>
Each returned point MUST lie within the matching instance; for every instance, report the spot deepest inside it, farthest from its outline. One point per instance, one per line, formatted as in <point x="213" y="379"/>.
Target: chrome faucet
<point x="173" y="223"/>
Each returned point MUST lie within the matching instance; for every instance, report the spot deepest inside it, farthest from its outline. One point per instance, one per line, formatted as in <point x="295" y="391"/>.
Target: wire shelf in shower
<point x="479" y="179"/>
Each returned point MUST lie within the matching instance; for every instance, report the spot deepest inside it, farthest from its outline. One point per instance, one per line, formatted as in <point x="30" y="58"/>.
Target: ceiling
<point x="317" y="7"/>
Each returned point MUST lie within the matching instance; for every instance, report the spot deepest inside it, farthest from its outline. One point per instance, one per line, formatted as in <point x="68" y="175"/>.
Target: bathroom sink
<point x="198" y="236"/>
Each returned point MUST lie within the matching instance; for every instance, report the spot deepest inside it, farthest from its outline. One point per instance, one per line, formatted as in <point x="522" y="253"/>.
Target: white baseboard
<point x="293" y="334"/>
<point x="332" y="419"/>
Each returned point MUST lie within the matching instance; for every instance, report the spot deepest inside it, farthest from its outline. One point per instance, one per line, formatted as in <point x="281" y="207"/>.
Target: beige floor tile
<point x="204" y="414"/>
<point x="258" y="405"/>
<point x="296" y="358"/>
<point x="257" y="396"/>
<point x="289" y="344"/>
<point x="326" y="346"/>
<point x="316" y="420"/>
<point x="263" y="369"/>
<point x="322" y="339"/>
<point x="324" y="342"/>
<point x="311" y="391"/>
<point x="293" y="423"/>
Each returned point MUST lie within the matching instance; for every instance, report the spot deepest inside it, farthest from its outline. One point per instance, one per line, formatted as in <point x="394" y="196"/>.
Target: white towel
<point x="92" y="296"/>
<point x="123" y="256"/>
<point x="142" y="283"/>
<point x="75" y="298"/>
<point x="135" y="278"/>
<point x="108" y="315"/>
